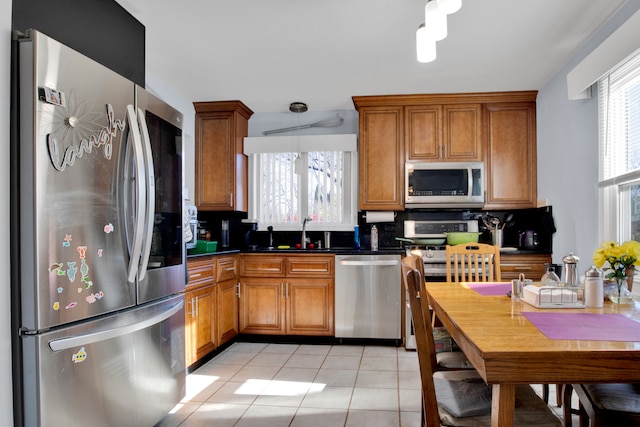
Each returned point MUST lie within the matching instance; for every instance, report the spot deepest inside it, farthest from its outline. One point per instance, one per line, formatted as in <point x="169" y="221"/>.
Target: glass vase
<point x="623" y="295"/>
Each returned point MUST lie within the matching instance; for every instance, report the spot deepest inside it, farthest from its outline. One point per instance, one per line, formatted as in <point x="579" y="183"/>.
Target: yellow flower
<point x="618" y="257"/>
<point x="599" y="257"/>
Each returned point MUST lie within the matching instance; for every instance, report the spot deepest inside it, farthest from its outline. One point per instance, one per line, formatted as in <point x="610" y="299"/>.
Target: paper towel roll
<point x="380" y="216"/>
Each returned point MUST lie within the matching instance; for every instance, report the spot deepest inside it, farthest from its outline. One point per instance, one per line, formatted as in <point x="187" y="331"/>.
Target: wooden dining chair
<point x="473" y="262"/>
<point x="616" y="404"/>
<point x="445" y="360"/>
<point x="460" y="398"/>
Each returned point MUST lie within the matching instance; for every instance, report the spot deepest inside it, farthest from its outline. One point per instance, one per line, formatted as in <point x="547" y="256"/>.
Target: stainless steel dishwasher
<point x="368" y="296"/>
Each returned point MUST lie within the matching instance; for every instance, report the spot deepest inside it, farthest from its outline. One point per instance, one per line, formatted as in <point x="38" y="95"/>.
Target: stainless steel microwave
<point x="444" y="184"/>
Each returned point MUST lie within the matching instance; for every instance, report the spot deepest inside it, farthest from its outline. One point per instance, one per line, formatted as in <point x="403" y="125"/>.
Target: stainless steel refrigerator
<point x="98" y="251"/>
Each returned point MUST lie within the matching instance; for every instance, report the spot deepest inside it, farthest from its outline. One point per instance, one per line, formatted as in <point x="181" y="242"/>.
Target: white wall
<point x="567" y="137"/>
<point x="6" y="403"/>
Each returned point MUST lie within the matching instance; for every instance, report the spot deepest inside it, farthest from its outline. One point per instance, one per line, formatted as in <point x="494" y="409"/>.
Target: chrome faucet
<point x="270" y="230"/>
<point x="303" y="240"/>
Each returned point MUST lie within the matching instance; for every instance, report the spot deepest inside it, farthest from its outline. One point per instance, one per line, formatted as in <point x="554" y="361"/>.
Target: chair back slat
<point x="414" y="284"/>
<point x="473" y="262"/>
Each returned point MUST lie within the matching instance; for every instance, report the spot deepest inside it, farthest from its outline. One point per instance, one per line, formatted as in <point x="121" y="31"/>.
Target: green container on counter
<point x="205" y="246"/>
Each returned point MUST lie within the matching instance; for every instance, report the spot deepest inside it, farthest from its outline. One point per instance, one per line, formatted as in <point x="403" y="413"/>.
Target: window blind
<point x="619" y="110"/>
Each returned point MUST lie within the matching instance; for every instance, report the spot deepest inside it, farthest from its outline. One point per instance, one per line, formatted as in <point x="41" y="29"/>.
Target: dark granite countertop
<point x="191" y="254"/>
<point x="339" y="251"/>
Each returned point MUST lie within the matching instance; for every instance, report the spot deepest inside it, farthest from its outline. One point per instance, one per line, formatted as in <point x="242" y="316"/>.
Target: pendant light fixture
<point x="449" y="6"/>
<point x="435" y="22"/>
<point x="425" y="46"/>
<point x="434" y="28"/>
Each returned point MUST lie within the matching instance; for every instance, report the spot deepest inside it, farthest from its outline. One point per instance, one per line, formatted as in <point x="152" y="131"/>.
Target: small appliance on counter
<point x="250" y="235"/>
<point x="193" y="225"/>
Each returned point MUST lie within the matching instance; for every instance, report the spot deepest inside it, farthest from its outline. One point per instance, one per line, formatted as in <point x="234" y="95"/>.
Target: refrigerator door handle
<point x="151" y="195"/>
<point x="76" y="341"/>
<point x="138" y="158"/>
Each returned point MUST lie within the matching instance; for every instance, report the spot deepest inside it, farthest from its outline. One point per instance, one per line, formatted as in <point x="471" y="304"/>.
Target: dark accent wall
<point x="100" y="29"/>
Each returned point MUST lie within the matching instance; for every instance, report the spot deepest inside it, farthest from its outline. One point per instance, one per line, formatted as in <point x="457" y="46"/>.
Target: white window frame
<point x="613" y="212"/>
<point x="347" y="143"/>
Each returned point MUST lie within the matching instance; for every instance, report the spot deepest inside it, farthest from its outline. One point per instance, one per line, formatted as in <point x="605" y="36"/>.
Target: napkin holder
<point x="551" y="296"/>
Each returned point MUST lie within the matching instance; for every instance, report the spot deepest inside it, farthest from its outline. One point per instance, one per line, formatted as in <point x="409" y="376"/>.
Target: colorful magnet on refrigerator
<point x="82" y="251"/>
<point x="94" y="297"/>
<point x="87" y="283"/>
<point x="108" y="228"/>
<point x="84" y="269"/>
<point x="57" y="267"/>
<point x="67" y="241"/>
<point x="55" y="97"/>
<point x="71" y="305"/>
<point x="99" y="253"/>
<point x="56" y="306"/>
<point x="71" y="271"/>
<point x="80" y="356"/>
<point x="60" y="289"/>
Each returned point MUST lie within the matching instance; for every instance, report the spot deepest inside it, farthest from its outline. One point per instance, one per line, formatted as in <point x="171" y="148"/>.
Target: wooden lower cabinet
<point x="227" y="315"/>
<point x="262" y="305"/>
<point x="292" y="295"/>
<point x="200" y="323"/>
<point x="533" y="266"/>
<point x="211" y="298"/>
<point x="226" y="298"/>
<point x="309" y="307"/>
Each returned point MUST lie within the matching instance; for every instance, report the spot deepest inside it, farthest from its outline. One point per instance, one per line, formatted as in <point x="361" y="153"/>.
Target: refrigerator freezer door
<point x="119" y="370"/>
<point x="73" y="128"/>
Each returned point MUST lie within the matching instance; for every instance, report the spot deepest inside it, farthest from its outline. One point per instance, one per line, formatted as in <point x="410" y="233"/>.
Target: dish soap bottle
<point x="374" y="238"/>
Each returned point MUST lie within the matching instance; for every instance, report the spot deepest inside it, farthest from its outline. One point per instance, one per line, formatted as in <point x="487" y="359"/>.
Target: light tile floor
<point x="257" y="384"/>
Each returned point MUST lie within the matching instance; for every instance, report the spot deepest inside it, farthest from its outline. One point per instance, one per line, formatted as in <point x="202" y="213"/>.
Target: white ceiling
<point x="268" y="53"/>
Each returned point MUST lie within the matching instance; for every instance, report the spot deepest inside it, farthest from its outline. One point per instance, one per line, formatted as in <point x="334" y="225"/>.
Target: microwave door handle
<point x="136" y="246"/>
<point x="469" y="182"/>
<point x="151" y="196"/>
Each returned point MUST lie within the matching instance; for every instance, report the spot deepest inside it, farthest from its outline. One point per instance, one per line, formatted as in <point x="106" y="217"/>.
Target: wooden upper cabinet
<point x="462" y="135"/>
<point x="423" y="132"/>
<point x="444" y="132"/>
<point x="220" y="165"/>
<point x="381" y="158"/>
<point x="511" y="155"/>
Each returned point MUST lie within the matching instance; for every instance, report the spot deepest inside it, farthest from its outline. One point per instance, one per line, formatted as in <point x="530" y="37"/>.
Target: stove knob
<point x="428" y="253"/>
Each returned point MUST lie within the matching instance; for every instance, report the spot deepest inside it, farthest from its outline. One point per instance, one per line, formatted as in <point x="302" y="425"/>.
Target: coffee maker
<point x="250" y="236"/>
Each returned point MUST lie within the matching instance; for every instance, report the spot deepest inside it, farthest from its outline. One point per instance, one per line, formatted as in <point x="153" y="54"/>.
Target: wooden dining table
<point x="507" y="349"/>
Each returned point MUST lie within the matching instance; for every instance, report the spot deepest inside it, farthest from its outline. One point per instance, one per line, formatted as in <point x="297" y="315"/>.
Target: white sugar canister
<point x="593" y="288"/>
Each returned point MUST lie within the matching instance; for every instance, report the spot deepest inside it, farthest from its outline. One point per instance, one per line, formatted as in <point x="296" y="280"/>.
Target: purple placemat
<point x="585" y="326"/>
<point x="490" y="289"/>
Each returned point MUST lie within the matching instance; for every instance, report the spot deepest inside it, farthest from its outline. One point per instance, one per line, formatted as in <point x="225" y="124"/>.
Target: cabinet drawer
<point x="310" y="266"/>
<point x="201" y="270"/>
<point x="258" y="265"/>
<point x="226" y="268"/>
<point x="532" y="266"/>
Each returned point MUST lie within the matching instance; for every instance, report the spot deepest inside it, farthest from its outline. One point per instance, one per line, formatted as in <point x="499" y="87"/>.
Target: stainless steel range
<point x="429" y="239"/>
<point x="429" y="242"/>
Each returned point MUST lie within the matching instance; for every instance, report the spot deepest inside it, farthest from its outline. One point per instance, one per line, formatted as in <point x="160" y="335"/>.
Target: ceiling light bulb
<point x="435" y="22"/>
<point x="425" y="46"/>
<point x="449" y="6"/>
